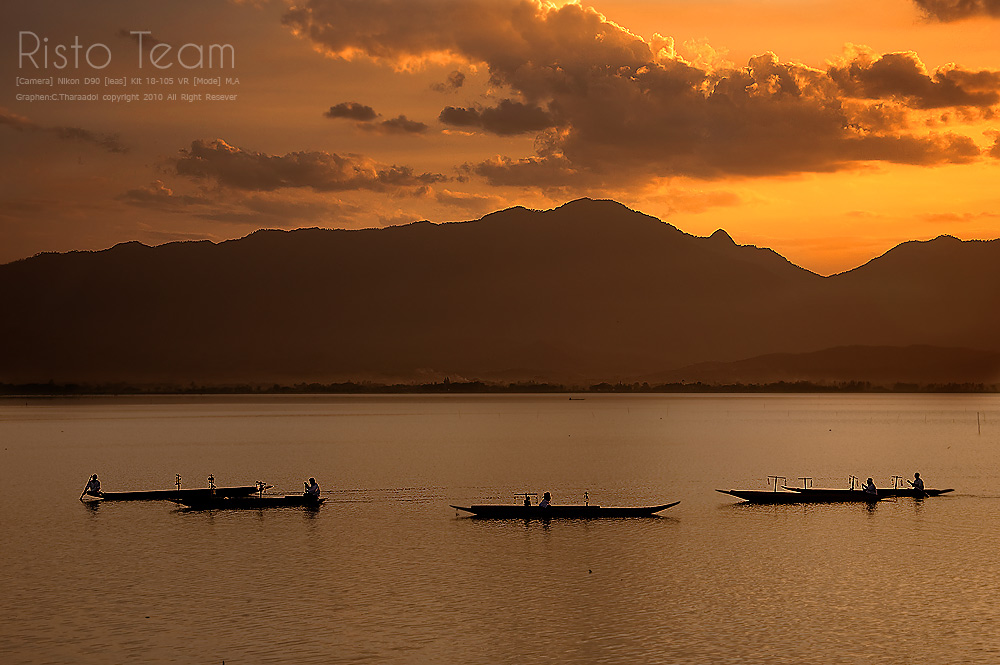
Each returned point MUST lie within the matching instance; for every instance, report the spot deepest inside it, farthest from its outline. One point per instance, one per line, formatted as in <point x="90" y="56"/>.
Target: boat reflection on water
<point x="255" y="502"/>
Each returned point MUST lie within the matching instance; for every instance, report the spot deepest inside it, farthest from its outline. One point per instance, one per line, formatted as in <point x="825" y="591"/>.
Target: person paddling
<point x="312" y="489"/>
<point x="869" y="487"/>
<point x="918" y="484"/>
<point x="93" y="487"/>
<point x="546" y="499"/>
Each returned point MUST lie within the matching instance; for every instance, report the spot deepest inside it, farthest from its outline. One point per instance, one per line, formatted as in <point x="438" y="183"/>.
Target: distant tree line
<point x="53" y="389"/>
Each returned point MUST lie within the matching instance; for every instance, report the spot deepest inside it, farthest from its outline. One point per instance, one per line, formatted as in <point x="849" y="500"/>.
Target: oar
<point x="84" y="493"/>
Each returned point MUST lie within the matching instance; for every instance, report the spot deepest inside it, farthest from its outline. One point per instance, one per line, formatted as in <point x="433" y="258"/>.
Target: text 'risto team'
<point x="37" y="52"/>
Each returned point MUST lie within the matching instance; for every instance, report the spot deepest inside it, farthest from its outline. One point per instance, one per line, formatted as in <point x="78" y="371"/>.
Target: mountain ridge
<point x="720" y="235"/>
<point x="591" y="290"/>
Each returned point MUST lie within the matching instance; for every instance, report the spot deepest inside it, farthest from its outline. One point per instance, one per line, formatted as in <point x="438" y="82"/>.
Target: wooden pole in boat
<point x="84" y="492"/>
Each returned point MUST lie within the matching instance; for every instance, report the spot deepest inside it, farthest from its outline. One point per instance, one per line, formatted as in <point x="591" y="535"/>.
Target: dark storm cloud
<point x="455" y="81"/>
<point x="160" y="197"/>
<point x="353" y="111"/>
<point x="954" y="10"/>
<point x="365" y="116"/>
<point x="398" y="125"/>
<point x="506" y="118"/>
<point x="236" y="167"/>
<point x="109" y="142"/>
<point x="519" y="39"/>
<point x="550" y="172"/>
<point x="460" y="117"/>
<point x="607" y="106"/>
<point x="903" y="76"/>
<point x="555" y="171"/>
<point x="994" y="150"/>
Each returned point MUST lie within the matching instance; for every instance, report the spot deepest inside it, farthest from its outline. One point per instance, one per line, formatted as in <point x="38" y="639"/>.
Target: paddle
<point x="86" y="489"/>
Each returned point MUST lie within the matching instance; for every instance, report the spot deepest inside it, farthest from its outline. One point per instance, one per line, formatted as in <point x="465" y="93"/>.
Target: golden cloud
<point x="239" y="168"/>
<point x="608" y="107"/>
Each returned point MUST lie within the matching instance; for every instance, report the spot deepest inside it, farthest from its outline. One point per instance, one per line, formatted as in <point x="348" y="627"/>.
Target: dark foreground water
<point x="385" y="572"/>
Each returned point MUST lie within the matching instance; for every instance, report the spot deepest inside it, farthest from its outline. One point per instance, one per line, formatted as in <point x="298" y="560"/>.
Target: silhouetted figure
<point x="917" y="483"/>
<point x="312" y="489"/>
<point x="546" y="499"/>
<point x="93" y="487"/>
<point x="527" y="501"/>
<point x="869" y="487"/>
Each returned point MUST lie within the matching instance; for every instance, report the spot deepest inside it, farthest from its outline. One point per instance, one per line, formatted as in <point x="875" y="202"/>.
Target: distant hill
<point x="588" y="291"/>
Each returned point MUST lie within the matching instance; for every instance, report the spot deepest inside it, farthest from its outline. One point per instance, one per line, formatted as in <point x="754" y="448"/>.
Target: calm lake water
<point x="386" y="572"/>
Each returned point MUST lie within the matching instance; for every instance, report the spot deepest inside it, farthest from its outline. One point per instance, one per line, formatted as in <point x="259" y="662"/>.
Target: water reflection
<point x="384" y="572"/>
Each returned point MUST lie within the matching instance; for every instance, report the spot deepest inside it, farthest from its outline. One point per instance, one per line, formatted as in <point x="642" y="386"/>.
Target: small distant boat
<point x="177" y="492"/>
<point x="169" y="495"/>
<point x="844" y="494"/>
<point x="252" y="502"/>
<point x="809" y="494"/>
<point x="789" y="496"/>
<point x="836" y="494"/>
<point x="796" y="495"/>
<point x="535" y="512"/>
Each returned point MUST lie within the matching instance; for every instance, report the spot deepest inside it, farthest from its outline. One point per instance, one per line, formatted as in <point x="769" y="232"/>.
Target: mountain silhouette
<point x="588" y="291"/>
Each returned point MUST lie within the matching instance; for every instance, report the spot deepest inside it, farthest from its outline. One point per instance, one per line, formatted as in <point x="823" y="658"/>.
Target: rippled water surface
<point x="386" y="572"/>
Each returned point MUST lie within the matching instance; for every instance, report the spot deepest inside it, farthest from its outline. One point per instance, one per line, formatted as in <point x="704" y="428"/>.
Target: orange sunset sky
<point x="827" y="130"/>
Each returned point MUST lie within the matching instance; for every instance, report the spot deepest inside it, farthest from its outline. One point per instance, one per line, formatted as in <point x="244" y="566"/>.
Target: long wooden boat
<point x="252" y="502"/>
<point x="788" y="496"/>
<point x="170" y="495"/>
<point x="535" y="512"/>
<point x="835" y="494"/>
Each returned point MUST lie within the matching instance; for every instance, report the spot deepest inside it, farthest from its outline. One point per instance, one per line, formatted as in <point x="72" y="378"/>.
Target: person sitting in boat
<point x="916" y="483"/>
<point x="869" y="487"/>
<point x="312" y="489"/>
<point x="93" y="486"/>
<point x="546" y="499"/>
